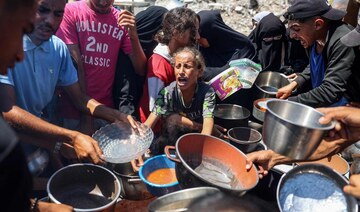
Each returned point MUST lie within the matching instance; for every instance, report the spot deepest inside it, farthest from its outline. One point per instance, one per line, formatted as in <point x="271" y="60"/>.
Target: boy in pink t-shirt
<point x="95" y="32"/>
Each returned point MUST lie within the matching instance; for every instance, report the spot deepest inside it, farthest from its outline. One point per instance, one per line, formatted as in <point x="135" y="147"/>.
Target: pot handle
<point x="135" y="180"/>
<point x="168" y="155"/>
<point x="119" y="199"/>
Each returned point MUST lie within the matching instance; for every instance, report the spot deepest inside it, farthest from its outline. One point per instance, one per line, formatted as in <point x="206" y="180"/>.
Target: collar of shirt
<point x="29" y="45"/>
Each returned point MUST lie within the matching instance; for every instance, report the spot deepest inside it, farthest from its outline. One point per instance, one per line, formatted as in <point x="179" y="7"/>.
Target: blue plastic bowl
<point x="155" y="163"/>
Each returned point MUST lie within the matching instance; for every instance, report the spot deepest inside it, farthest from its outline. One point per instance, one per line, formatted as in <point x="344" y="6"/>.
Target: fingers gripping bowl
<point x="120" y="143"/>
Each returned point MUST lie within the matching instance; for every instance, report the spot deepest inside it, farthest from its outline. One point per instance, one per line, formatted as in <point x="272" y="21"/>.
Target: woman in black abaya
<point x="269" y="39"/>
<point x="220" y="44"/>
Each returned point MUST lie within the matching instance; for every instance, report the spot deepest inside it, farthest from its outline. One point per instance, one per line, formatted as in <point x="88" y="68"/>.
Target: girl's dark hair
<point x="199" y="59"/>
<point x="178" y="19"/>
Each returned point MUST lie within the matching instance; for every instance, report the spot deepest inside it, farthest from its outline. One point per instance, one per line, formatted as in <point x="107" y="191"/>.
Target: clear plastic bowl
<point x="120" y="143"/>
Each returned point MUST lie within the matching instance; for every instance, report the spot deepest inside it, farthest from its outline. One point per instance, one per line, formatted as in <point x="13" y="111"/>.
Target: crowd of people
<point x="68" y="69"/>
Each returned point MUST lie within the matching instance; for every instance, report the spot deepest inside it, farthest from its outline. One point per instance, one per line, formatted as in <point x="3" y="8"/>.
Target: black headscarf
<point x="148" y="22"/>
<point x="224" y="41"/>
<point x="269" y="53"/>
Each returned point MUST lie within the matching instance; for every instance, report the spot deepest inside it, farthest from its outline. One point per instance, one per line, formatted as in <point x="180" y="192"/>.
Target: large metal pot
<point x="268" y="83"/>
<point x="231" y="115"/>
<point x="180" y="200"/>
<point x="293" y="129"/>
<point x="204" y="160"/>
<point x="86" y="187"/>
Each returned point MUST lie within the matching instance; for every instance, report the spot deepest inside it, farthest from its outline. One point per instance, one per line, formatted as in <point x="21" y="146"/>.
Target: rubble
<point x="236" y="13"/>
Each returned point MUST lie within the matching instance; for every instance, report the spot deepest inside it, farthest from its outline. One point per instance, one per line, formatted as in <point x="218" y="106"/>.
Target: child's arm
<point x="152" y="120"/>
<point x="208" y="125"/>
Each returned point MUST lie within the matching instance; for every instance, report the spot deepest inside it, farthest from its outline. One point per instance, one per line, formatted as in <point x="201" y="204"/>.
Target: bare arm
<point x="137" y="56"/>
<point x="151" y="120"/>
<point x="92" y="107"/>
<point x="207" y="126"/>
<point x="23" y="121"/>
<point x="346" y="132"/>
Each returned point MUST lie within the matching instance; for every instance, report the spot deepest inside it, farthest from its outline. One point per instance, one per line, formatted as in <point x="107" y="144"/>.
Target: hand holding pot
<point x="348" y="122"/>
<point x="286" y="91"/>
<point x="265" y="160"/>
<point x="354" y="186"/>
<point x="137" y="163"/>
<point x="87" y="149"/>
<point x="219" y="132"/>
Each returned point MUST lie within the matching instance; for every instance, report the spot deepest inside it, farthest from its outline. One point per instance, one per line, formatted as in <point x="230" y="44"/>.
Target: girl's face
<point x="186" y="71"/>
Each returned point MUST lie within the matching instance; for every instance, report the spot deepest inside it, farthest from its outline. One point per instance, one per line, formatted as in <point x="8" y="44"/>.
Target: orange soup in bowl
<point x="162" y="176"/>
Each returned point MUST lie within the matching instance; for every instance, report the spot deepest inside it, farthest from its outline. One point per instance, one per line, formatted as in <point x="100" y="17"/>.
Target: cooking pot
<point x="86" y="187"/>
<point x="314" y="187"/>
<point x="244" y="138"/>
<point x="180" y="200"/>
<point x="259" y="108"/>
<point x="231" y="115"/>
<point x="132" y="187"/>
<point x="204" y="160"/>
<point x="293" y="129"/>
<point x="334" y="162"/>
<point x="268" y="83"/>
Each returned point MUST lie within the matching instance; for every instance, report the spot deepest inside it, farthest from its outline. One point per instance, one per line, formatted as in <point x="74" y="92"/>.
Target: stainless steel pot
<point x="293" y="129"/>
<point x="259" y="108"/>
<point x="86" y="187"/>
<point x="268" y="83"/>
<point x="180" y="200"/>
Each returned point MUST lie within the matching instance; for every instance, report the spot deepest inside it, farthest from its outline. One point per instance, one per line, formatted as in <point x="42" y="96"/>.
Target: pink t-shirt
<point x="99" y="38"/>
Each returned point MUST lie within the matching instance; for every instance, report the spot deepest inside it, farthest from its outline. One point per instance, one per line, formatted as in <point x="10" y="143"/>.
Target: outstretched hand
<point x="265" y="160"/>
<point x="286" y="91"/>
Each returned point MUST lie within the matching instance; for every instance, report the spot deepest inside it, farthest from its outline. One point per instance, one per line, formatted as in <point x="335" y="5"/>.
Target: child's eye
<point x="187" y="66"/>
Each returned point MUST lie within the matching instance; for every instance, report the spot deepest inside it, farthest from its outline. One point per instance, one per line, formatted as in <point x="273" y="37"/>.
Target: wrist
<point x="73" y="137"/>
<point x="294" y="85"/>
